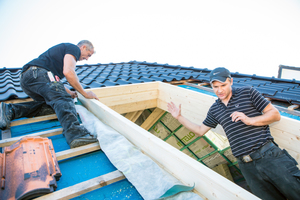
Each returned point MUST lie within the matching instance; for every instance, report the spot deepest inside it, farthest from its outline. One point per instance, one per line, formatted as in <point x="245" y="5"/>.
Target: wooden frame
<point x="208" y="183"/>
<point x="133" y="99"/>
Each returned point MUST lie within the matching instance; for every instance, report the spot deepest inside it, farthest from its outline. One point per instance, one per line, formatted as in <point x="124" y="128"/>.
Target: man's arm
<point x="270" y="115"/>
<point x="71" y="76"/>
<point x="72" y="93"/>
<point x="195" y="128"/>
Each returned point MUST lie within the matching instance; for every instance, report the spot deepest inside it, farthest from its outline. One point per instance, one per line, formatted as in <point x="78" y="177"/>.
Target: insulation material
<point x="220" y="141"/>
<point x="214" y="160"/>
<point x="185" y="135"/>
<point x="159" y="131"/>
<point x="223" y="170"/>
<point x="148" y="178"/>
<point x="177" y="144"/>
<point x="228" y="154"/>
<point x="201" y="148"/>
<point x="170" y="122"/>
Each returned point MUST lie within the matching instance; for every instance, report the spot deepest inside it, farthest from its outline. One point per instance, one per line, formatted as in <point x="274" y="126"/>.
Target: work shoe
<point x="6" y="115"/>
<point x="84" y="140"/>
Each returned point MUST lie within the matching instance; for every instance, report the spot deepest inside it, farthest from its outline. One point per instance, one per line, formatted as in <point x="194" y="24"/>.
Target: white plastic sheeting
<point x="148" y="178"/>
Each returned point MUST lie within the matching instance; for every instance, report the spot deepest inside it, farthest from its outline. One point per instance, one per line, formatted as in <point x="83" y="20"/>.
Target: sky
<point x="245" y="36"/>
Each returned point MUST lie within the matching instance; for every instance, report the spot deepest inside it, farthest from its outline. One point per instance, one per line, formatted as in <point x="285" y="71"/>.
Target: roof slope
<point x="102" y="75"/>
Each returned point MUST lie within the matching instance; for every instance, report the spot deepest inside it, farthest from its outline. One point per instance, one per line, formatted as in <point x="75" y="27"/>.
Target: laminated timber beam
<point x="195" y="106"/>
<point x="208" y="183"/>
<point x="134" y="106"/>
<point x="33" y="120"/>
<point x="18" y="100"/>
<point x="153" y="117"/>
<point x="122" y="100"/>
<point x="77" y="151"/>
<point x="84" y="187"/>
<point x="133" y="116"/>
<point x="293" y="107"/>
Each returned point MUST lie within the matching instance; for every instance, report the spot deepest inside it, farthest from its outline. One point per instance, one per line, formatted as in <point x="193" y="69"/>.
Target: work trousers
<point x="274" y="175"/>
<point x="49" y="97"/>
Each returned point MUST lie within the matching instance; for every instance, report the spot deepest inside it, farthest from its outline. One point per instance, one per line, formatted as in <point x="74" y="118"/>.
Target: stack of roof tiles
<point x="102" y="75"/>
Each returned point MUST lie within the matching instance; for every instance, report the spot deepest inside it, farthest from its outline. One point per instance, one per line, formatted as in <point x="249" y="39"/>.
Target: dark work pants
<point x="273" y="176"/>
<point x="48" y="97"/>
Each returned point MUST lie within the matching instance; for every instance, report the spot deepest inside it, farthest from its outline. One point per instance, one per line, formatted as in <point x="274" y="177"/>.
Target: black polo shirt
<point x="242" y="138"/>
<point x="53" y="59"/>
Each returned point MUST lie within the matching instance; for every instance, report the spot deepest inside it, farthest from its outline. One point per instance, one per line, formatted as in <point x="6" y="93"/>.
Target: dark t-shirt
<point x="243" y="139"/>
<point x="53" y="58"/>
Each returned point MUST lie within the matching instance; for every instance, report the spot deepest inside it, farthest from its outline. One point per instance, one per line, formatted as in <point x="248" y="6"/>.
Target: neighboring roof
<point x="102" y="75"/>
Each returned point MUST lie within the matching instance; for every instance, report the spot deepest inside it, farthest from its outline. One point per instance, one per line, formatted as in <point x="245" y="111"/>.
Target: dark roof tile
<point x="122" y="81"/>
<point x="95" y="84"/>
<point x="101" y="75"/>
<point x="134" y="80"/>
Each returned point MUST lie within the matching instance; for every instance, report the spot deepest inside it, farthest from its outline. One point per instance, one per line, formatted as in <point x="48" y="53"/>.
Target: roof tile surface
<point x="102" y="75"/>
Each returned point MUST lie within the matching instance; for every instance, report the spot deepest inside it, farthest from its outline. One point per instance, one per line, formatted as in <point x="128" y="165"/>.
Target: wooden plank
<point x="32" y="120"/>
<point x="77" y="151"/>
<point x="18" y="100"/>
<point x="10" y="141"/>
<point x="202" y="84"/>
<point x="133" y="116"/>
<point x="84" y="187"/>
<point x="134" y="106"/>
<point x="187" y="170"/>
<point x="293" y="107"/>
<point x="129" y="98"/>
<point x="123" y="89"/>
<point x="286" y="139"/>
<point x="181" y="82"/>
<point x="153" y="117"/>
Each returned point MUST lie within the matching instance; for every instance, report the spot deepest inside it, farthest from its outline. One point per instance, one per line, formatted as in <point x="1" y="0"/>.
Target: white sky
<point x="251" y="37"/>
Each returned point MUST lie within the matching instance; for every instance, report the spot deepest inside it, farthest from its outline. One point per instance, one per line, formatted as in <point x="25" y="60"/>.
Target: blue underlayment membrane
<point x="147" y="177"/>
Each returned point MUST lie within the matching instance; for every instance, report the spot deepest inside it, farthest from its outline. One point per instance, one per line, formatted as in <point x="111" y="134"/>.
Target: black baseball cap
<point x="219" y="74"/>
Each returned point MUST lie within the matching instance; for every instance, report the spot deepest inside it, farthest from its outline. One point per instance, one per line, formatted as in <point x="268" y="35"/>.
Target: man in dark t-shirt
<point x="40" y="80"/>
<point x="245" y="116"/>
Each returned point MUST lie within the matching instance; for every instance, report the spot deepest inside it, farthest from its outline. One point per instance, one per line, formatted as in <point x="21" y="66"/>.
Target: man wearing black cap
<point x="245" y="116"/>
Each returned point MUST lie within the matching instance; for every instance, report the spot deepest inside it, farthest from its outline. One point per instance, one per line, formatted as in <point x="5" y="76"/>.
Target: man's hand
<point x="91" y="95"/>
<point x="176" y="112"/>
<point x="270" y="115"/>
<point x="239" y="116"/>
<point x="73" y="94"/>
